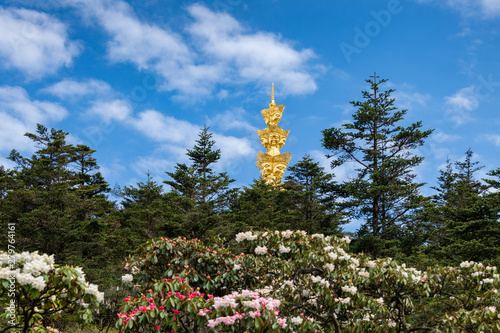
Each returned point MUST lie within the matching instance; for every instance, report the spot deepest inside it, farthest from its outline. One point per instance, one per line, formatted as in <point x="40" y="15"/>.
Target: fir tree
<point x="467" y="214"/>
<point x="56" y="200"/>
<point x="200" y="195"/>
<point x="315" y="195"/>
<point x="383" y="192"/>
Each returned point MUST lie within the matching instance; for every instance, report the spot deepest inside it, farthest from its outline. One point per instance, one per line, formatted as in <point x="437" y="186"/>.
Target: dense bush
<point x="35" y="292"/>
<point x="290" y="281"/>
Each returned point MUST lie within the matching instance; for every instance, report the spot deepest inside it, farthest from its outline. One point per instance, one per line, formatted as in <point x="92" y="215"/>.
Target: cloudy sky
<point x="136" y="80"/>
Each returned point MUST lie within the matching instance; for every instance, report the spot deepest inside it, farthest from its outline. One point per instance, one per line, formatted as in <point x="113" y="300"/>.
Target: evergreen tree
<point x="147" y="210"/>
<point x="56" y="200"/>
<point x="199" y="195"/>
<point x="263" y="206"/>
<point x="315" y="195"/>
<point x="467" y="215"/>
<point x="384" y="191"/>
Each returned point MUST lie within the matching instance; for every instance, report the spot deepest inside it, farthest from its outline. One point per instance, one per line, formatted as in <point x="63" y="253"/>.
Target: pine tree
<point x="384" y="191"/>
<point x="467" y="214"/>
<point x="315" y="195"/>
<point x="199" y="194"/>
<point x="147" y="210"/>
<point x="264" y="206"/>
<point x="57" y="201"/>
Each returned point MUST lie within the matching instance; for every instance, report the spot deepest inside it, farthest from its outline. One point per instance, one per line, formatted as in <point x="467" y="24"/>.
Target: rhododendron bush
<point x="35" y="291"/>
<point x="293" y="282"/>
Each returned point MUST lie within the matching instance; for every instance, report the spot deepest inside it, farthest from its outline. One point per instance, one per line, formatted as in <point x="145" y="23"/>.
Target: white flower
<point x="287" y="234"/>
<point x="346" y="239"/>
<point x="487" y="281"/>
<point x="365" y="274"/>
<point x="391" y="323"/>
<point x="284" y="249"/>
<point x="245" y="235"/>
<point x="330" y="267"/>
<point x="416" y="278"/>
<point x="343" y="300"/>
<point x="261" y="250"/>
<point x="320" y="280"/>
<point x="380" y="300"/>
<point x="306" y="293"/>
<point x="296" y="320"/>
<point x="370" y="263"/>
<point x="333" y="255"/>
<point x="236" y="267"/>
<point x="351" y="290"/>
<point x="127" y="278"/>
<point x="491" y="309"/>
<point x="466" y="264"/>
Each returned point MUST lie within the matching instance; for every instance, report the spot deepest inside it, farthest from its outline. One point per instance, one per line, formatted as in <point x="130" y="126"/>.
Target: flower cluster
<point x="48" y="289"/>
<point x="317" y="280"/>
<point x="245" y="235"/>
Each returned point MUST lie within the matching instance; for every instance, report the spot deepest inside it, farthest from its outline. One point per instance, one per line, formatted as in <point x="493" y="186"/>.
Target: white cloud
<point x="34" y="43"/>
<point x="76" y="89"/>
<point x="111" y="110"/>
<point x="460" y="105"/>
<point x="342" y="173"/>
<point x="160" y="127"/>
<point x="493" y="138"/>
<point x="20" y="114"/>
<point x="441" y="137"/>
<point x="470" y="8"/>
<point x="233" y="147"/>
<point x="262" y="57"/>
<point x="232" y="120"/>
<point x="216" y="50"/>
<point x="175" y="136"/>
<point x="150" y="47"/>
<point x="410" y="100"/>
<point x="156" y="166"/>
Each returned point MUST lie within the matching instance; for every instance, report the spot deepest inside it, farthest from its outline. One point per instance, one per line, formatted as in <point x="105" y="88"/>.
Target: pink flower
<point x="158" y="327"/>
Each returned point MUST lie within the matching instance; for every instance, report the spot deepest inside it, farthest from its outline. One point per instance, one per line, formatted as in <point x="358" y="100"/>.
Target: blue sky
<point x="137" y="79"/>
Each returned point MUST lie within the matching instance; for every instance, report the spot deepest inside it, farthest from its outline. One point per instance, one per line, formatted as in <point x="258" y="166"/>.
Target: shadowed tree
<point x="315" y="195"/>
<point x="467" y="214"/>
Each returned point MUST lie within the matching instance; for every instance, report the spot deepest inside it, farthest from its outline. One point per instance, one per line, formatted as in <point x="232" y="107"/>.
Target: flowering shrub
<point x="292" y="282"/>
<point x="35" y="291"/>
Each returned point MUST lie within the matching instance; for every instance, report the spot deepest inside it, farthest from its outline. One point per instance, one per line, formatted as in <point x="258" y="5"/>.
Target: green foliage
<point x="383" y="191"/>
<point x="315" y="197"/>
<point x="147" y="210"/>
<point x="56" y="199"/>
<point x="37" y="292"/>
<point x="263" y="206"/>
<point x="311" y="280"/>
<point x="200" y="196"/>
<point x="465" y="215"/>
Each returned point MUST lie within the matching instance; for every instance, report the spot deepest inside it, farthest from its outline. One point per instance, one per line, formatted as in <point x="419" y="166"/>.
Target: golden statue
<point x="272" y="164"/>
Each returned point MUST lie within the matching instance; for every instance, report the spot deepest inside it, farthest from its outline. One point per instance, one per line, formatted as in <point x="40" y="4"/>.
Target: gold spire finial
<point x="272" y="164"/>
